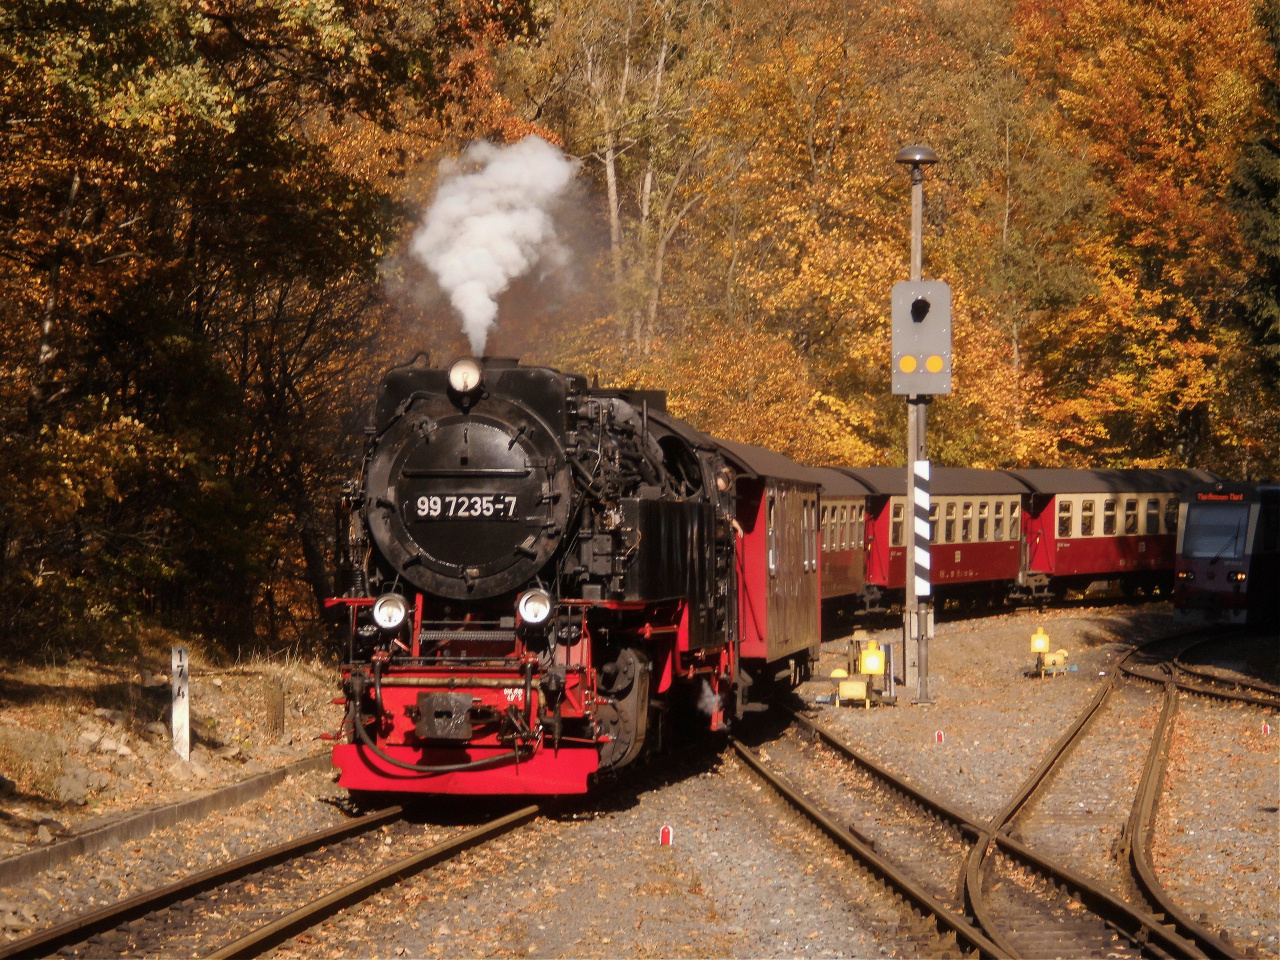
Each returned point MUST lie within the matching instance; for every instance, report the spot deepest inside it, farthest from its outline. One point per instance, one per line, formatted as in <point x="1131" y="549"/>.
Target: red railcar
<point x="1119" y="526"/>
<point x="1228" y="562"/>
<point x="974" y="519"/>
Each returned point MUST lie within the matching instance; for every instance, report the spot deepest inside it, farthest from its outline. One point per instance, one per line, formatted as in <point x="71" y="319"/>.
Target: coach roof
<point x="943" y="481"/>
<point x="759" y="462"/>
<point x="1055" y="480"/>
<point x="836" y="483"/>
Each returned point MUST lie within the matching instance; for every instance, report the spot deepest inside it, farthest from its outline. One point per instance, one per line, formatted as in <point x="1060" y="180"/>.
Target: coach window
<point x="950" y="526"/>
<point x="895" y="534"/>
<point x="997" y="532"/>
<point x="983" y="510"/>
<point x="772" y="537"/>
<point x="1171" y="515"/>
<point x="1086" y="518"/>
<point x="1108" y="518"/>
<point x="1015" y="528"/>
<point x="1131" y="516"/>
<point x="826" y="536"/>
<point x="966" y="523"/>
<point x="844" y="528"/>
<point x="1064" y="519"/>
<point x="933" y="523"/>
<point x="1153" y="516"/>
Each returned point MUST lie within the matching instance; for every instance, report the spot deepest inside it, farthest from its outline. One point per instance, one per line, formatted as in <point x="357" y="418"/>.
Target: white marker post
<point x="181" y="702"/>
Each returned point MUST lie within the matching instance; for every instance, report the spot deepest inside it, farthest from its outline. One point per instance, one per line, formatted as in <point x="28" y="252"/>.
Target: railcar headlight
<point x="389" y="611"/>
<point x="465" y="375"/>
<point x="534" y="606"/>
<point x="1236" y="575"/>
<point x="1186" y="575"/>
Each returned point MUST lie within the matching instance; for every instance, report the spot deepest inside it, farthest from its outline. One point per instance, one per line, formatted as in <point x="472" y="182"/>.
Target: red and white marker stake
<point x="938" y="736"/>
<point x="1266" y="729"/>
<point x="664" y="837"/>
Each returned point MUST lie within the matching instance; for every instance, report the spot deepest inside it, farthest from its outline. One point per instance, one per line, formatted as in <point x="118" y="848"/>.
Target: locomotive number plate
<point x="463" y="506"/>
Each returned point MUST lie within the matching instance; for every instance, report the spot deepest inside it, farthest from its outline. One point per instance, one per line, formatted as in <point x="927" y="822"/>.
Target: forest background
<point x="205" y="208"/>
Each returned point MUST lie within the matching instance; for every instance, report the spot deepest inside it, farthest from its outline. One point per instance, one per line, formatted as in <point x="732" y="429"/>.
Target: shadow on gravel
<point x="1241" y="650"/>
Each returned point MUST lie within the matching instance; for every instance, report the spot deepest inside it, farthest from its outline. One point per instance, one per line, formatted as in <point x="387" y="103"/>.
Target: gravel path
<point x="300" y="805"/>
<point x="996" y="724"/>
<point x="1217" y="848"/>
<point x="742" y="878"/>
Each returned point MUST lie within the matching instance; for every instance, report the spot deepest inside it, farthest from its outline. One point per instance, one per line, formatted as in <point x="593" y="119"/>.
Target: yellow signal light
<point x="934" y="364"/>
<point x="872" y="659"/>
<point x="907" y="364"/>
<point x="1039" y="641"/>
<point x="839" y="673"/>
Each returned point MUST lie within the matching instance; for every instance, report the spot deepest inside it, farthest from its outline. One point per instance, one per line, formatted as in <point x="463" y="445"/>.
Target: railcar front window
<point x="1217" y="530"/>
<point x="1064" y="519"/>
<point x="1086" y="518"/>
<point x="998" y="523"/>
<point x="896" y="533"/>
<point x="1131" y="517"/>
<point x="1109" y="518"/>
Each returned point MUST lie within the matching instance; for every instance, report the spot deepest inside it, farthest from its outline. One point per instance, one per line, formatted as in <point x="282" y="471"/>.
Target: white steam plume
<point x="489" y="225"/>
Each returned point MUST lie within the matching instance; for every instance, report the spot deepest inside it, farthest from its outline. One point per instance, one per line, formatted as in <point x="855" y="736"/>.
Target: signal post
<point x="921" y="315"/>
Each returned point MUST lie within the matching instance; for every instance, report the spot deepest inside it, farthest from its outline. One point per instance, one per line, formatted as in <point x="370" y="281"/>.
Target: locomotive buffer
<point x="921" y="315"/>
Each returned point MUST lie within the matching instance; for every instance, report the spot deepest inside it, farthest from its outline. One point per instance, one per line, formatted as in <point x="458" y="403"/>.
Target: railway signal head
<point x="921" y="314"/>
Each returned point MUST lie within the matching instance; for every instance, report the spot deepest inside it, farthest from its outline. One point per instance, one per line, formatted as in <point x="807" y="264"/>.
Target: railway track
<point x="247" y="906"/>
<point x="980" y="881"/>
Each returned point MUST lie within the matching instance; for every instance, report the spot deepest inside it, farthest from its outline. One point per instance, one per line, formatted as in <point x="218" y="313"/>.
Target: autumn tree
<point x="189" y="275"/>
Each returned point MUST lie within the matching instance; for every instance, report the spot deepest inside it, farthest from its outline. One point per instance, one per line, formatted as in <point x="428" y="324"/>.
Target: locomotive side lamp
<point x="534" y="606"/>
<point x="389" y="611"/>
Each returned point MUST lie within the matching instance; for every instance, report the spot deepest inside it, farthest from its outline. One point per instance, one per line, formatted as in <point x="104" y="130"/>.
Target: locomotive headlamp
<point x="1236" y="575"/>
<point x="389" y="611"/>
<point x="465" y="375"/>
<point x="534" y="606"/>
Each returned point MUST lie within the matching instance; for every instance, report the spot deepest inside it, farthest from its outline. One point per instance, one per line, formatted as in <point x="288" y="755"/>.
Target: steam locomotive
<point x="540" y="575"/>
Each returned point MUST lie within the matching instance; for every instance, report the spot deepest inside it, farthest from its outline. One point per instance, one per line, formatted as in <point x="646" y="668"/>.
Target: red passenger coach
<point x="1120" y="526"/>
<point x="778" y="559"/>
<point x="974" y="519"/>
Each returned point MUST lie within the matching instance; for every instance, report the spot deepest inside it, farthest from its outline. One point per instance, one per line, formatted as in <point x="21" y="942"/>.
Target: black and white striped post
<point x="921" y="313"/>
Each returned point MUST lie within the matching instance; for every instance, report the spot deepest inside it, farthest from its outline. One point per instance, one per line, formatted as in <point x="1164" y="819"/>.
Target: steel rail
<point x="1132" y="922"/>
<point x="272" y="934"/>
<point x="906" y="886"/>
<point x="1167" y="673"/>
<point x="80" y="928"/>
<point x="1204" y="673"/>
<point x="1141" y="827"/>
